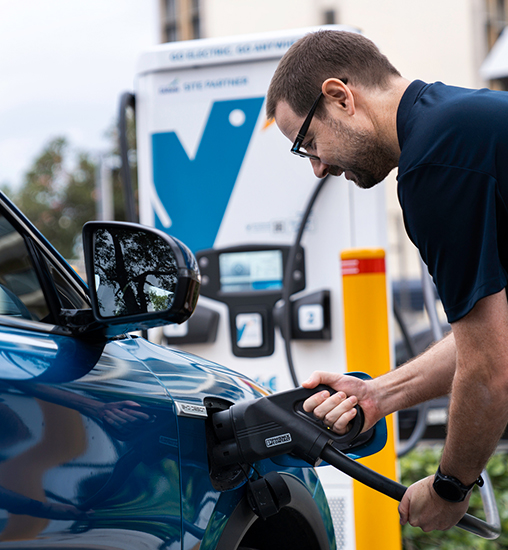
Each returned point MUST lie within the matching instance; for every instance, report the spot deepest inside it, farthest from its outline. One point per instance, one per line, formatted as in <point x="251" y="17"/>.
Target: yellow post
<point x="368" y="350"/>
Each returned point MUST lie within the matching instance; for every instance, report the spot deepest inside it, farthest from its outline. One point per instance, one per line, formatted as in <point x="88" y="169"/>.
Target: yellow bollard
<point x="368" y="350"/>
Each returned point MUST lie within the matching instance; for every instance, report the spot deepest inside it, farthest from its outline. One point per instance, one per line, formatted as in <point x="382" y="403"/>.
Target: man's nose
<point x="320" y="168"/>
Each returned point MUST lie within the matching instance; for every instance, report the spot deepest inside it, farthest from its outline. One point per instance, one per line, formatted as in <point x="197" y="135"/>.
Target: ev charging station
<point x="216" y="174"/>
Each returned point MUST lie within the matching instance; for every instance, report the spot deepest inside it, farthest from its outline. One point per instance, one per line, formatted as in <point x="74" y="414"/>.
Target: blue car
<point x="105" y="437"/>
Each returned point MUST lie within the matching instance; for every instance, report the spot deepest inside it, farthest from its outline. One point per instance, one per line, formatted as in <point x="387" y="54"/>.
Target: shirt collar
<point x="406" y="103"/>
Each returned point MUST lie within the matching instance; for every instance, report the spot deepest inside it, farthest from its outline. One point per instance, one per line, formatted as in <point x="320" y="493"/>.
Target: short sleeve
<point x="451" y="216"/>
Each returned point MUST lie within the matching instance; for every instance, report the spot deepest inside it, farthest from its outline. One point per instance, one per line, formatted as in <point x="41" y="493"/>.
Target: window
<point x="195" y="19"/>
<point x="496" y="20"/>
<point x="69" y="297"/>
<point x="171" y="33"/>
<point x="180" y="20"/>
<point x="21" y="294"/>
<point x="329" y="17"/>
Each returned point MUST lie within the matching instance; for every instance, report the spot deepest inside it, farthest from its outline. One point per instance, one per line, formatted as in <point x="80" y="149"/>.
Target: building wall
<point x="227" y="17"/>
<point x="435" y="40"/>
<point x="438" y="39"/>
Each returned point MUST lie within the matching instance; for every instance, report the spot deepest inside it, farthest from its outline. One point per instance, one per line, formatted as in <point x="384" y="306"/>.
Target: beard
<point x="370" y="160"/>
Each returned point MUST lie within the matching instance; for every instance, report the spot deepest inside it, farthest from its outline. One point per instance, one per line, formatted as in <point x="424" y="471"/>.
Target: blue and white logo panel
<point x="195" y="191"/>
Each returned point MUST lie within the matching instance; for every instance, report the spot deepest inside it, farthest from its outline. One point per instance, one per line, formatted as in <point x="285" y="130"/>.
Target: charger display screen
<point x="250" y="271"/>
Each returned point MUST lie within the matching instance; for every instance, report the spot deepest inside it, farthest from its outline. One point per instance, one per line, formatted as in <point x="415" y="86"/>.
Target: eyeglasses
<point x="295" y="149"/>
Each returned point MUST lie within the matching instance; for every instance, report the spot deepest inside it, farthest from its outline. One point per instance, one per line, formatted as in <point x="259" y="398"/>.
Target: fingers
<point x="421" y="507"/>
<point x="126" y="403"/>
<point x="336" y="411"/>
<point x="131" y="407"/>
<point x="404" y="509"/>
<point x="118" y="417"/>
<point x="339" y="417"/>
<point x="316" y="400"/>
<point x="119" y="414"/>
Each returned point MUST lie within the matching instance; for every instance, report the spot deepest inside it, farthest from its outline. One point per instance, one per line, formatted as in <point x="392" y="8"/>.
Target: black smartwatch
<point x="449" y="488"/>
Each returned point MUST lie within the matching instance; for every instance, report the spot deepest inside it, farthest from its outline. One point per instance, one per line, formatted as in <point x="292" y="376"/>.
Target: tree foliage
<point x="58" y="192"/>
<point x="57" y="199"/>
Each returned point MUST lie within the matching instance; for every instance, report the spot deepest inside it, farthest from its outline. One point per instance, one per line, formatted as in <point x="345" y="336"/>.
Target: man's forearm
<point x="479" y="404"/>
<point x="428" y="376"/>
<point x="478" y="416"/>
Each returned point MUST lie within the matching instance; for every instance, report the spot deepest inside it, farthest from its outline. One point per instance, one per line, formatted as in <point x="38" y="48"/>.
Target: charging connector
<point x="277" y="425"/>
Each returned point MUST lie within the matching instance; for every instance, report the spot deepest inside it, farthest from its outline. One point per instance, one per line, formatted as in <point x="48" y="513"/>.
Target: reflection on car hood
<point x="138" y="367"/>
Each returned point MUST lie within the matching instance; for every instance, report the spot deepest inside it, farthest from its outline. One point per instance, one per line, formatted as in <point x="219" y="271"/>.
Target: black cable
<point x="288" y="280"/>
<point x="363" y="474"/>
<point x="127" y="99"/>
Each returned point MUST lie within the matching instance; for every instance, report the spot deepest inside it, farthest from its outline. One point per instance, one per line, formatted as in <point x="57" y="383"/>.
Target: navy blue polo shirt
<point x="453" y="188"/>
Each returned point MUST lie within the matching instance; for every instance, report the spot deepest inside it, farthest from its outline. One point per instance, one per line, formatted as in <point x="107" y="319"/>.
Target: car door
<point x="88" y="437"/>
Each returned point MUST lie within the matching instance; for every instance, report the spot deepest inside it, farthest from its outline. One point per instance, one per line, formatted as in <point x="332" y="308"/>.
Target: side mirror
<point x="138" y="276"/>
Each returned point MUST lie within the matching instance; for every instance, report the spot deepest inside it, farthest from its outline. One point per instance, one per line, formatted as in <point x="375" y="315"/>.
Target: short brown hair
<point x="321" y="55"/>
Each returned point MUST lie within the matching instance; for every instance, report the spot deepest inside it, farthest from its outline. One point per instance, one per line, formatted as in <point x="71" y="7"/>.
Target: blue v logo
<point x="195" y="192"/>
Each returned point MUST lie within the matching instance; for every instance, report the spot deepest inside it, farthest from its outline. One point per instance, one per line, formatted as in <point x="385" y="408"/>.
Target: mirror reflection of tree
<point x="137" y="272"/>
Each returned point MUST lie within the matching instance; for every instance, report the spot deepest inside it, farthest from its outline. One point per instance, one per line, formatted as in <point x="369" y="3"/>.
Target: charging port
<point x="223" y="477"/>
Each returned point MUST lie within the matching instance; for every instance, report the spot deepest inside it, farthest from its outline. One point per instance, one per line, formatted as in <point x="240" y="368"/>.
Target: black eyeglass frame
<point x="295" y="149"/>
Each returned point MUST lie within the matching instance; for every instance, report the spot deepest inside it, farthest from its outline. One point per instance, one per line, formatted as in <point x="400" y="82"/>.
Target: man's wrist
<point x="381" y="395"/>
<point x="451" y="489"/>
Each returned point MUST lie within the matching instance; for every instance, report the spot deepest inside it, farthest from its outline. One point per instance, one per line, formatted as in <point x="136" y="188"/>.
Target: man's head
<point x="348" y="69"/>
<point x="322" y="55"/>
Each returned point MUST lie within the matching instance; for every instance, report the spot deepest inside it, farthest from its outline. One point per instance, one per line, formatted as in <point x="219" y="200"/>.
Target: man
<point x="348" y="110"/>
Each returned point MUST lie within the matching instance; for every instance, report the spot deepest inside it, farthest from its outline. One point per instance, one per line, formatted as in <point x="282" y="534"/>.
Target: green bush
<point x="422" y="462"/>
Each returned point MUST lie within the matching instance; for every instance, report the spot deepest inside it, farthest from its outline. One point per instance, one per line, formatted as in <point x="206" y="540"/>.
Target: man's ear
<point x="339" y="94"/>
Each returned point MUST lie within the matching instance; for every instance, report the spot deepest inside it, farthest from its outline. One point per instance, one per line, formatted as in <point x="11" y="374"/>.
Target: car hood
<point x="143" y="368"/>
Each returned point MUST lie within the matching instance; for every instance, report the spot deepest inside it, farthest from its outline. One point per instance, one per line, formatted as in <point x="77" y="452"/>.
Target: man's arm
<point x="478" y="411"/>
<point x="479" y="402"/>
<point x="427" y="376"/>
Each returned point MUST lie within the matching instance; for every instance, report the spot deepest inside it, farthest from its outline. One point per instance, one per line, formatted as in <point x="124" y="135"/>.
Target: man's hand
<point x="338" y="410"/>
<point x="122" y="419"/>
<point x="123" y="415"/>
<point x="422" y="507"/>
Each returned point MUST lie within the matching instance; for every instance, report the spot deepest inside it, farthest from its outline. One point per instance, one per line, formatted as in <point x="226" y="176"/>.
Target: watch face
<point x="448" y="490"/>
